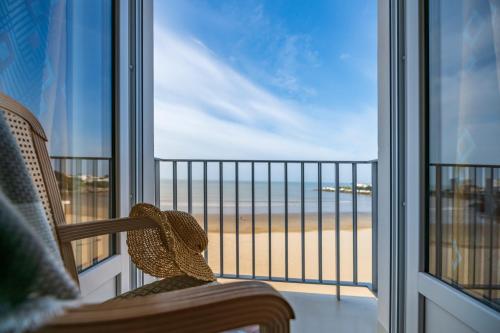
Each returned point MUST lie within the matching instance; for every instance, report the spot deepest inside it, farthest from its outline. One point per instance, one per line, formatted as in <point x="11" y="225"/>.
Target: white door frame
<point x="384" y="159"/>
<point x="123" y="165"/>
<point x="141" y="116"/>
<point x="134" y="145"/>
<point x="111" y="277"/>
<point x="421" y="286"/>
<point x="391" y="171"/>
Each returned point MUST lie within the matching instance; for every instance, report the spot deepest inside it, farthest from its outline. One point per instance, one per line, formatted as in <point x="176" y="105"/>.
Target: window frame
<point x="425" y="153"/>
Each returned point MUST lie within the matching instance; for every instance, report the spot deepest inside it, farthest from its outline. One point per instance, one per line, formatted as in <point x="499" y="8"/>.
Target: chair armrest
<point x="212" y="308"/>
<point x="71" y="232"/>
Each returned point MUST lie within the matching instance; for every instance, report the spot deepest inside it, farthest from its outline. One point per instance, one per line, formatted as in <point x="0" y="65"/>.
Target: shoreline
<point x="278" y="224"/>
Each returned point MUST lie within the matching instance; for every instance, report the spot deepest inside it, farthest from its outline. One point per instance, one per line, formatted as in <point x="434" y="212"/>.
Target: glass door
<point x="452" y="166"/>
<point x="452" y="162"/>
<point x="463" y="193"/>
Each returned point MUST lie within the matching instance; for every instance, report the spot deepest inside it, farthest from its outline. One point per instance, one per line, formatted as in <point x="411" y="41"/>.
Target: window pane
<point x="56" y="59"/>
<point x="464" y="149"/>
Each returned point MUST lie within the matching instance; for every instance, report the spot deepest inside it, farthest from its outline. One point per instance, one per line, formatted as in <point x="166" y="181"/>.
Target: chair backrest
<point x="31" y="139"/>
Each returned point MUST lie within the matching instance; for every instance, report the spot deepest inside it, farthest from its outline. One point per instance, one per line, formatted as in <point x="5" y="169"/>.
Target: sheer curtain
<point x="34" y="60"/>
<point x="479" y="77"/>
<point x="56" y="59"/>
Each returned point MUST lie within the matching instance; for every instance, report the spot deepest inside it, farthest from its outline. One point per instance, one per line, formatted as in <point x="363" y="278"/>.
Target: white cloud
<point x="294" y="55"/>
<point x="187" y="71"/>
<point x="206" y="109"/>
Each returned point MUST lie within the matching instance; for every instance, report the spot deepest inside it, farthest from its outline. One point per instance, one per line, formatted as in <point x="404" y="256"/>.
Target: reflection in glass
<point x="85" y="187"/>
<point x="464" y="149"/>
<point x="56" y="59"/>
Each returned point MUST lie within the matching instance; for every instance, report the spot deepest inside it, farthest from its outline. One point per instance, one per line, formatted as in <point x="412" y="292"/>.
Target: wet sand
<point x="278" y="222"/>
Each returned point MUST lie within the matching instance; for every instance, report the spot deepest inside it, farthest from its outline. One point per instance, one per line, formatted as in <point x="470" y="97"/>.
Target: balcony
<point x="404" y="243"/>
<point x="269" y="221"/>
<point x="297" y="224"/>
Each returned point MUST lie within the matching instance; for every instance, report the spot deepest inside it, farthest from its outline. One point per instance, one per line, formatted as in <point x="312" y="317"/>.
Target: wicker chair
<point x="209" y="308"/>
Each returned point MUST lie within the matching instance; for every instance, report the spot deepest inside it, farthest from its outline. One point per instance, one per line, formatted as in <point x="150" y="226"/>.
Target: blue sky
<point x="266" y="79"/>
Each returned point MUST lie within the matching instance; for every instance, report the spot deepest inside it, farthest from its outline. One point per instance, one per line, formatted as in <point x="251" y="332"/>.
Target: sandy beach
<point x="98" y="247"/>
<point x="294" y="246"/>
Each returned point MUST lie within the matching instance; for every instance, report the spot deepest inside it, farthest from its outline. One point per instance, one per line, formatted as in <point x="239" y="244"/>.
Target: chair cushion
<point x="161" y="286"/>
<point x="176" y="283"/>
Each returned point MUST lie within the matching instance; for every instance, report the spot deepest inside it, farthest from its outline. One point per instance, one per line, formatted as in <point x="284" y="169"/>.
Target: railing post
<point x="337" y="228"/>
<point x="174" y="185"/>
<point x="95" y="212"/>
<point x="470" y="227"/>
<point x="112" y="202"/>
<point x="490" y="211"/>
<point x="474" y="227"/>
<point x="205" y="203"/>
<point x="320" y="223"/>
<point x="355" y="223"/>
<point x="302" y="221"/>
<point x="286" y="220"/>
<point x="190" y="187"/>
<point x="253" y="219"/>
<point x="221" y="217"/>
<point x="77" y="164"/>
<point x="270" y="218"/>
<point x="455" y="185"/>
<point x="157" y="183"/>
<point x="374" y="227"/>
<point x="439" y="225"/>
<point x="237" y="217"/>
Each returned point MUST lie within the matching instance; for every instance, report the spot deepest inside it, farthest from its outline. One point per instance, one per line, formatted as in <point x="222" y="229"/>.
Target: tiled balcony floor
<point x="317" y="309"/>
<point x="322" y="313"/>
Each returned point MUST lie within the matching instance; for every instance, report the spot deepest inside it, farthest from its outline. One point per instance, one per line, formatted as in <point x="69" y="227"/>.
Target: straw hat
<point x="171" y="250"/>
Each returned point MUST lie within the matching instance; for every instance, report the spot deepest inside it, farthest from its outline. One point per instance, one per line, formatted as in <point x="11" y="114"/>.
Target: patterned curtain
<point x="34" y="63"/>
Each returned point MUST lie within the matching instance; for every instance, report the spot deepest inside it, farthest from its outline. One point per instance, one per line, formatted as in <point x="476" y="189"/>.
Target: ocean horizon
<point x="364" y="201"/>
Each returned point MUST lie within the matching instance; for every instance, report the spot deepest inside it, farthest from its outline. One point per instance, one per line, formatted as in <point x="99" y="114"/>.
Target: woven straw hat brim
<point x="161" y="252"/>
<point x="192" y="263"/>
<point x="187" y="230"/>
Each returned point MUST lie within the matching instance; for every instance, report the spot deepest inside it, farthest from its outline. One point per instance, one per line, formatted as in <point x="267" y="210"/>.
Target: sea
<point x="262" y="195"/>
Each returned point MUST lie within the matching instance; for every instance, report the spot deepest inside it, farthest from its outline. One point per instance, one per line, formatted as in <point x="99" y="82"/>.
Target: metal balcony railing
<point x="85" y="184"/>
<point x="323" y="198"/>
<point x="463" y="243"/>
